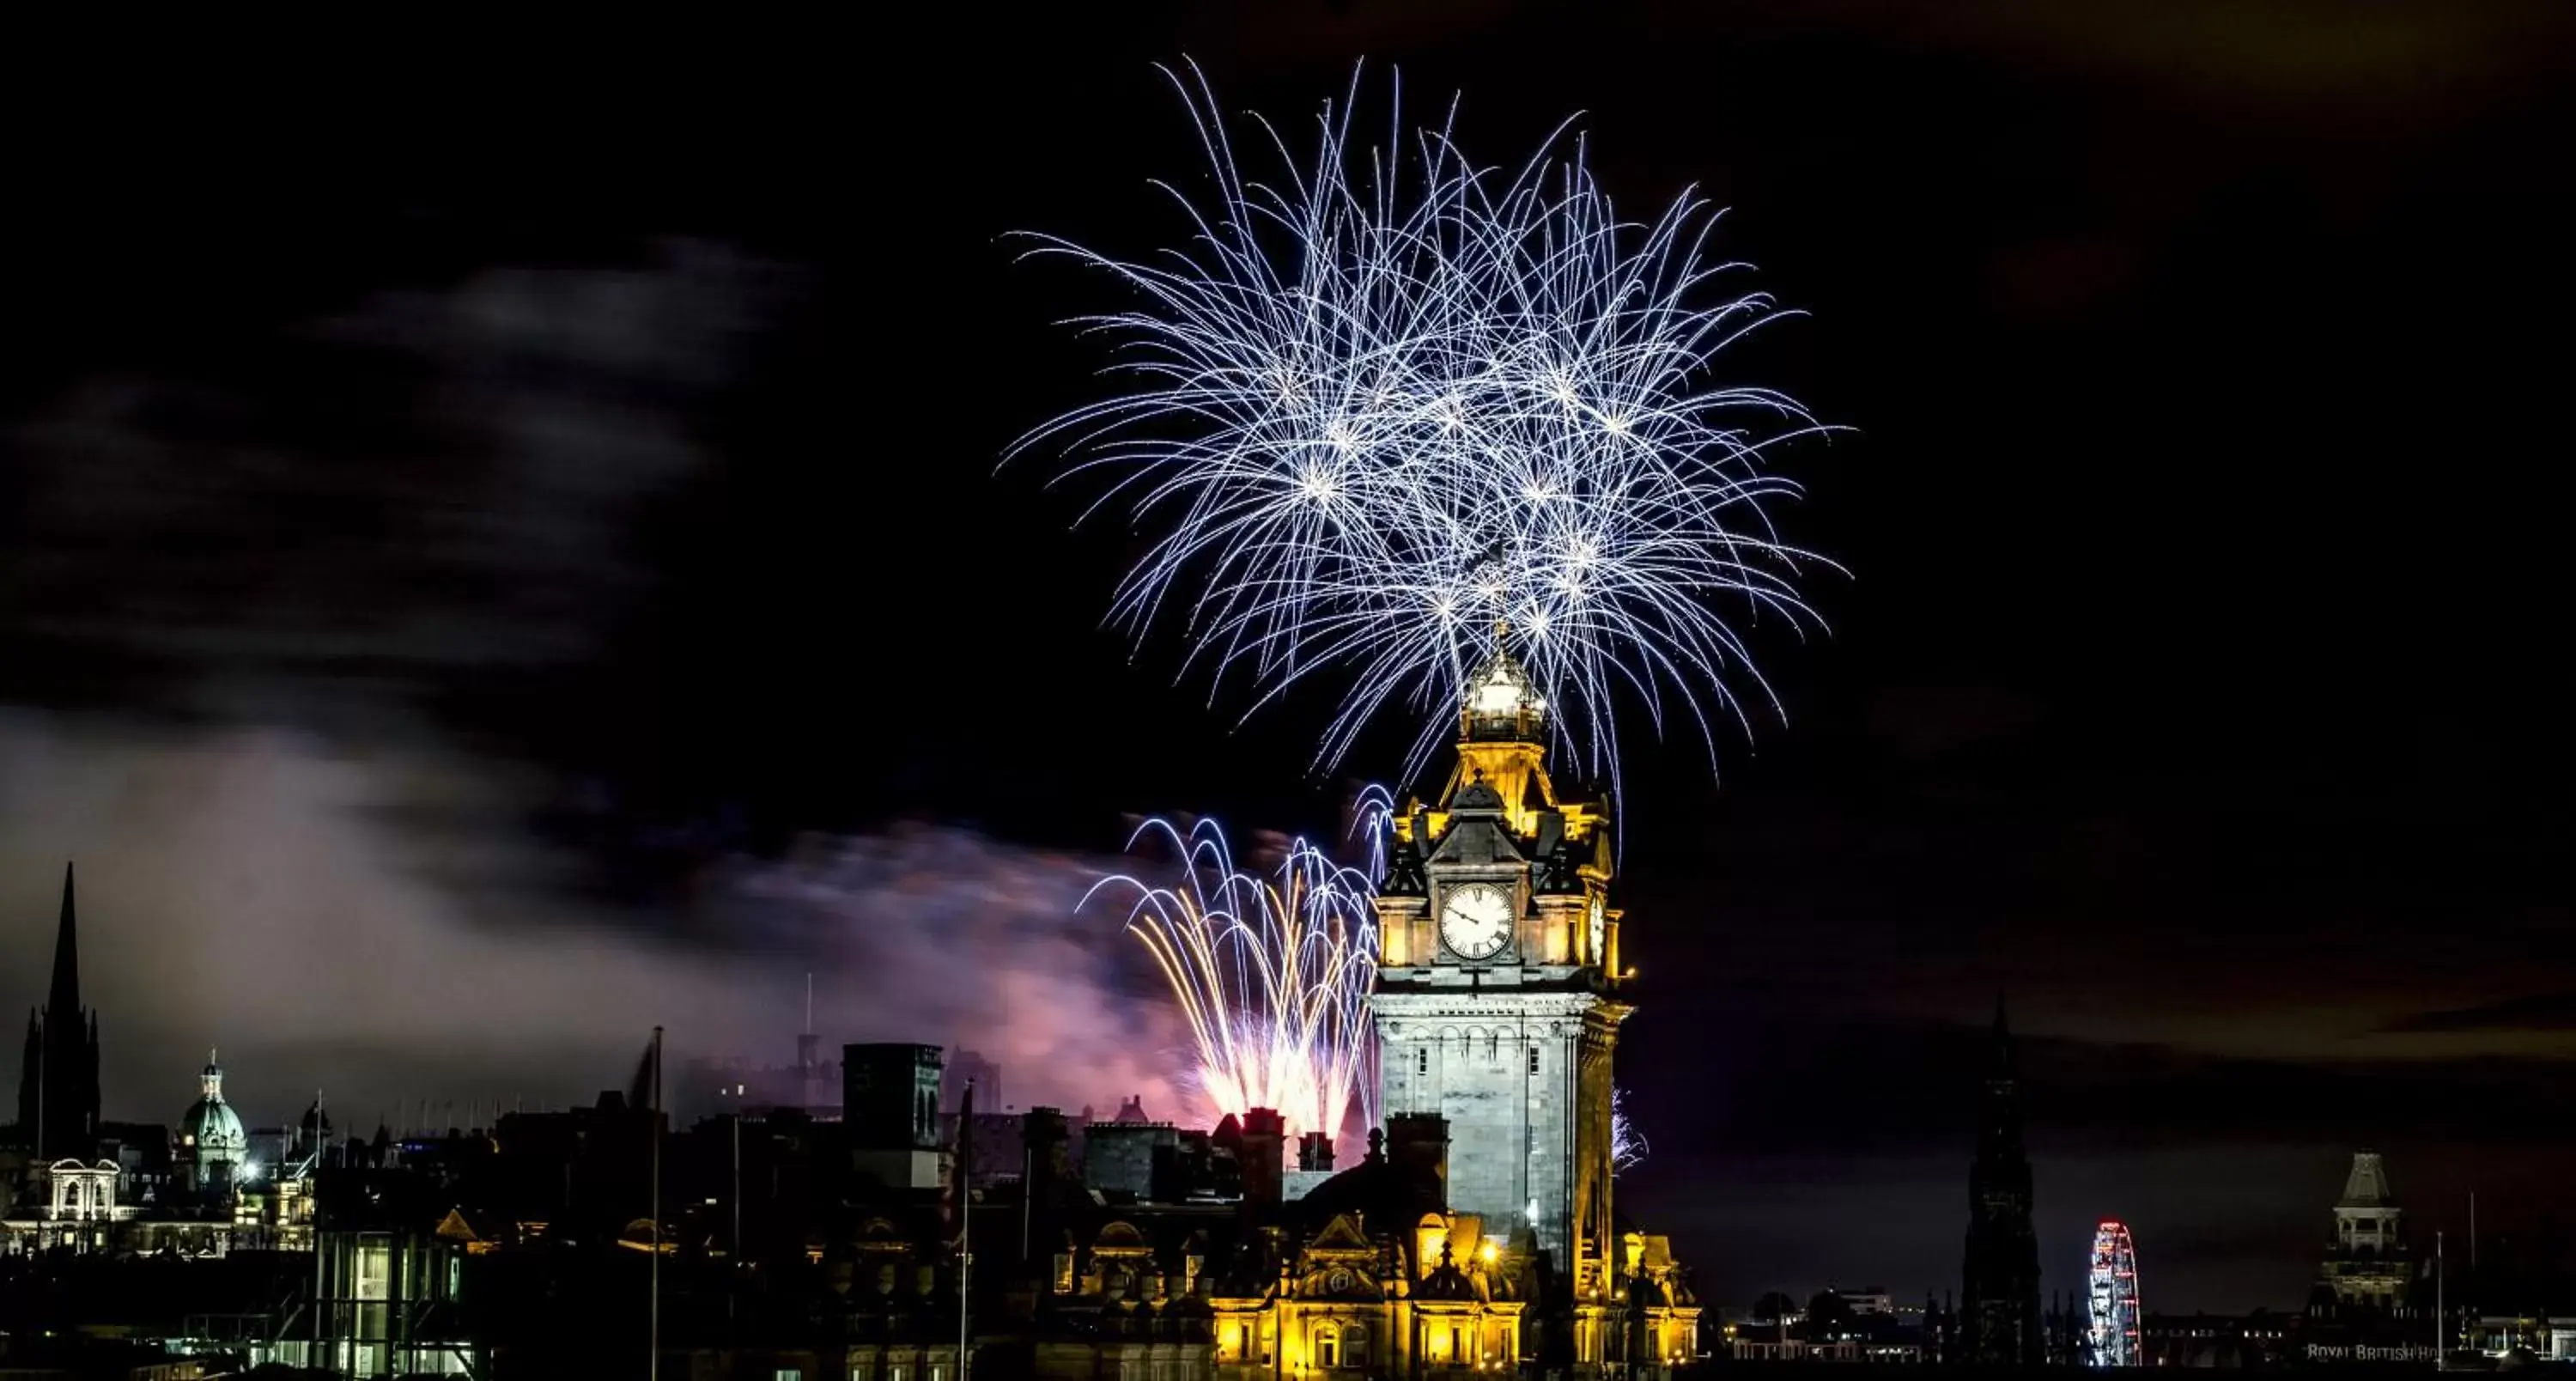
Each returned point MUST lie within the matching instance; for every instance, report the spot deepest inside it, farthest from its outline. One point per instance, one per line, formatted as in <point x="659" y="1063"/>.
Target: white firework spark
<point x="1627" y="1145"/>
<point x="1273" y="973"/>
<point x="1394" y="408"/>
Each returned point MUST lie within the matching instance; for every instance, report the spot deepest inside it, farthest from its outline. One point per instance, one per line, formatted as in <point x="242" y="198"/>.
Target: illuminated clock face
<point x="1476" y="920"/>
<point x="1599" y="924"/>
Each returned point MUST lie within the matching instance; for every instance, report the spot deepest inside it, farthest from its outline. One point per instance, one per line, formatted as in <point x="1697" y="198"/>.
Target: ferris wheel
<point x="2113" y="1335"/>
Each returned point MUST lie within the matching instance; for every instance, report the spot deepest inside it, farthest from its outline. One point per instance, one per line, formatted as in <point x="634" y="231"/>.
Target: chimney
<point x="1315" y="1151"/>
<point x="1042" y="1131"/>
<point x="1420" y="1140"/>
<point x="1263" y="1157"/>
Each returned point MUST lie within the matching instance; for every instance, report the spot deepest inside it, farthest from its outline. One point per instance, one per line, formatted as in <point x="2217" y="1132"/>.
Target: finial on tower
<point x="1501" y="702"/>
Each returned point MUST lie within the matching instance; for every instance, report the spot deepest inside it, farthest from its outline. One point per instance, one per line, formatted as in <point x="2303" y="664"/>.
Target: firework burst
<point x="1272" y="972"/>
<point x="1391" y="409"/>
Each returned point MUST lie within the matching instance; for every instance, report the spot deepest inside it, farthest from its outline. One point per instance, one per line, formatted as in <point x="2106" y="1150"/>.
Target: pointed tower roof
<point x="63" y="998"/>
<point x="2002" y="1059"/>
<point x="2367" y="1185"/>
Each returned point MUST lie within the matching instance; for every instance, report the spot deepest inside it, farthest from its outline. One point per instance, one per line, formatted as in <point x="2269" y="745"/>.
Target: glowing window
<point x="1328" y="1346"/>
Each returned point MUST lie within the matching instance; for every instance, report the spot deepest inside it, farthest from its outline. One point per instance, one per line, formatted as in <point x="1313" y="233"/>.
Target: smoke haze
<point x="253" y="891"/>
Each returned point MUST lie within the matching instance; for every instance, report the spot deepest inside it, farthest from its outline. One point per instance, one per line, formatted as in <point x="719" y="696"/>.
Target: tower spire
<point x="2001" y="1321"/>
<point x="63" y="998"/>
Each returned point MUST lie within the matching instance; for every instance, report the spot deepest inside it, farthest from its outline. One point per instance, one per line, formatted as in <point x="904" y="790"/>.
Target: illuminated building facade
<point x="2368" y="1262"/>
<point x="1498" y="1007"/>
<point x="2210" y="1341"/>
<point x="220" y="1200"/>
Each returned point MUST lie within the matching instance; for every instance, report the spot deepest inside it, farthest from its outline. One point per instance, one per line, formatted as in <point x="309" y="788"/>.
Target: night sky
<point x="500" y="546"/>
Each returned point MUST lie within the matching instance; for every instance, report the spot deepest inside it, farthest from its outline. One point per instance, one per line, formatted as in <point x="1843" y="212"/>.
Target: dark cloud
<point x="2538" y="1012"/>
<point x="1828" y="1149"/>
<point x="358" y="512"/>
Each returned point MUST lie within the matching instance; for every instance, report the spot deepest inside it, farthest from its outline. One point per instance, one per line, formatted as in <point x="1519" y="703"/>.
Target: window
<point x="373" y="1267"/>
<point x="1533" y="1059"/>
<point x="1355" y="1346"/>
<point x="1328" y="1346"/>
<point x="1422" y="1059"/>
<point x="787" y="1374"/>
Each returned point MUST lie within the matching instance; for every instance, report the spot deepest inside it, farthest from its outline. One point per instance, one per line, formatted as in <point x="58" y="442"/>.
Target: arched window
<point x="1328" y="1345"/>
<point x="1355" y="1346"/>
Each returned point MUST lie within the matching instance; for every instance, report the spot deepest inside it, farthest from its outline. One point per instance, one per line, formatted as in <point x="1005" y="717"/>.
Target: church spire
<point x="58" y="1082"/>
<point x="63" y="999"/>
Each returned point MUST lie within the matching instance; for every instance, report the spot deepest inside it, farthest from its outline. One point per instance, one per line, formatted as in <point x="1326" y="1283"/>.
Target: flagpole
<point x="733" y="1274"/>
<point x="965" y="1212"/>
<point x="653" y="1365"/>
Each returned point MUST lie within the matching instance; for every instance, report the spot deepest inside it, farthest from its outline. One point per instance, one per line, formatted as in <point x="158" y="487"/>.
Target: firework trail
<point x="1393" y="408"/>
<point x="1627" y="1145"/>
<point x="1273" y="973"/>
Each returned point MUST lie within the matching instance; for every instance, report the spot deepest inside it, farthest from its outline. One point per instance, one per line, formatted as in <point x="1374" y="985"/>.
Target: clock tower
<point x="1498" y="994"/>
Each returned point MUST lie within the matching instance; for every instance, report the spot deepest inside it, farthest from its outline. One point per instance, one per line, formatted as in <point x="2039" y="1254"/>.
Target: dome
<point x="210" y="1129"/>
<point x="1446" y="1281"/>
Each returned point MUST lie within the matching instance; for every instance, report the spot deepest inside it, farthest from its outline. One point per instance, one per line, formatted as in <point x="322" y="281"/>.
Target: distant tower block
<point x="890" y="1112"/>
<point x="2113" y="1333"/>
<point x="971" y="1067"/>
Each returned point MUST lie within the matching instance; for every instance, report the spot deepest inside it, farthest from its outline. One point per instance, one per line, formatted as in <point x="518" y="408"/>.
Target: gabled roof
<point x="1478" y="834"/>
<point x="456" y="1228"/>
<point x="1341" y="1234"/>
